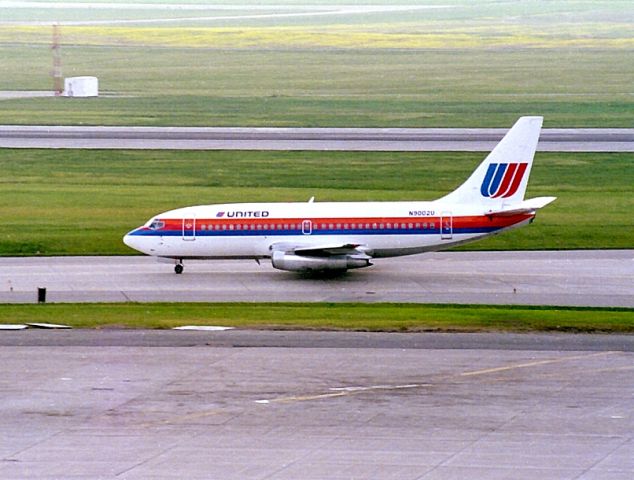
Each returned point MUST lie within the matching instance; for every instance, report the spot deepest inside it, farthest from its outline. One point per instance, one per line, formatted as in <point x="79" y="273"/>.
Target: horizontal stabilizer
<point x="527" y="206"/>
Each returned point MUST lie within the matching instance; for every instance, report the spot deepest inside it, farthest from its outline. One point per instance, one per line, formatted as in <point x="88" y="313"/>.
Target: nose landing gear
<point x="178" y="268"/>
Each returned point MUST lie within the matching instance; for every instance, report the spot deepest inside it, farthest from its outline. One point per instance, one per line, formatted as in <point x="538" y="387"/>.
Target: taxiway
<point x="361" y="139"/>
<point x="575" y="278"/>
<point x="244" y="411"/>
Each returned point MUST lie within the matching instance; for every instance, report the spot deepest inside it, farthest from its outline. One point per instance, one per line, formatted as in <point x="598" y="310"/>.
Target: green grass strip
<point x="80" y="202"/>
<point x="328" y="316"/>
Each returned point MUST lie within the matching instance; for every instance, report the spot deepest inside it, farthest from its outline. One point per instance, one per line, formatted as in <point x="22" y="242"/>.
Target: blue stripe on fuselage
<point x="280" y="233"/>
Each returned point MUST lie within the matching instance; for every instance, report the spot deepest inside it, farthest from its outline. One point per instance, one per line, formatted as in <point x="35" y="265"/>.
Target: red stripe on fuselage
<point x="482" y="221"/>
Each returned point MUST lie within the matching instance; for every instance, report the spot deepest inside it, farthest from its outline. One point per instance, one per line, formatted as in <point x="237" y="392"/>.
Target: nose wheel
<point x="178" y="268"/>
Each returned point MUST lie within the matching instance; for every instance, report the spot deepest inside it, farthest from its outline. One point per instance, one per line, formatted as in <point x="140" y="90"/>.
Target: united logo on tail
<point x="502" y="179"/>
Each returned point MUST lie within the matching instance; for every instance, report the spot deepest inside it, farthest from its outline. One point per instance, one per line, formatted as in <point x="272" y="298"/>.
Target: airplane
<point x="337" y="236"/>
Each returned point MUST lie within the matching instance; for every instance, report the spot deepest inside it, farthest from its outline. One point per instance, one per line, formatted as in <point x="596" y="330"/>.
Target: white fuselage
<point x="249" y="230"/>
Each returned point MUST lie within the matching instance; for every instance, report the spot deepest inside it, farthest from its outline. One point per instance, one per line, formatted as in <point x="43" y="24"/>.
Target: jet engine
<point x="303" y="263"/>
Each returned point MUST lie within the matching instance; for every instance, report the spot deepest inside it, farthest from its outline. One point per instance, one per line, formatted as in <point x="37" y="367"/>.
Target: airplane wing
<point x="312" y="257"/>
<point x="319" y="257"/>
<point x="323" y="250"/>
<point x="527" y="206"/>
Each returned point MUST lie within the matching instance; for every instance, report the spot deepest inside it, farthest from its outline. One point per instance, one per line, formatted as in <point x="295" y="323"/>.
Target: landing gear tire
<point x="178" y="268"/>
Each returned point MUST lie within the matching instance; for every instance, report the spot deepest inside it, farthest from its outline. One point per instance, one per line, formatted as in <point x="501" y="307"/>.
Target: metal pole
<point x="57" y="61"/>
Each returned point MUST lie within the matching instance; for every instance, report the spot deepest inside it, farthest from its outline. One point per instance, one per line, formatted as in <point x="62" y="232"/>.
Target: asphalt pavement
<point x="202" y="411"/>
<point x="361" y="139"/>
<point x="567" y="277"/>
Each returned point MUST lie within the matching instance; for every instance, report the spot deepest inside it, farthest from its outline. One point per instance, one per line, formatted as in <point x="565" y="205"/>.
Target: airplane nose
<point x="142" y="243"/>
<point x="132" y="241"/>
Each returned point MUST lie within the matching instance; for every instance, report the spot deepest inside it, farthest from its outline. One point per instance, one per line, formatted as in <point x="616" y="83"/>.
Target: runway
<point x="242" y="411"/>
<point x="351" y="139"/>
<point x="574" y="278"/>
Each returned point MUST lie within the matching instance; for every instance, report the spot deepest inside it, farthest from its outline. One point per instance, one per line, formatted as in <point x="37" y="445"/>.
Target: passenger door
<point x="189" y="229"/>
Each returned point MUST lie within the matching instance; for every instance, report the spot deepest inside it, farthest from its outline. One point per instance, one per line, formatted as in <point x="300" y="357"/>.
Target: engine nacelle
<point x="301" y="263"/>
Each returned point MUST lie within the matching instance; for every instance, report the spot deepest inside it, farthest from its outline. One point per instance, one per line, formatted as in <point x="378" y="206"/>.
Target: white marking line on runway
<point x="48" y="325"/>
<point x="342" y="392"/>
<point x="203" y="328"/>
<point x="379" y="387"/>
<point x="316" y="11"/>
<point x="347" y="391"/>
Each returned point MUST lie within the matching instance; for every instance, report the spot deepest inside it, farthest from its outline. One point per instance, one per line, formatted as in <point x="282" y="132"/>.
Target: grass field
<point x="360" y="317"/>
<point x="82" y="202"/>
<point x="473" y="64"/>
<point x="180" y="86"/>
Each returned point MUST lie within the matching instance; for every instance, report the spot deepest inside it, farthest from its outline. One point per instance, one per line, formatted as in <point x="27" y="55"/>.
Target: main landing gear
<point x="178" y="268"/>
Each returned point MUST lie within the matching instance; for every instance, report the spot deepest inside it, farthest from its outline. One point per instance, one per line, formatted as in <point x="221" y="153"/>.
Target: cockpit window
<point x="156" y="225"/>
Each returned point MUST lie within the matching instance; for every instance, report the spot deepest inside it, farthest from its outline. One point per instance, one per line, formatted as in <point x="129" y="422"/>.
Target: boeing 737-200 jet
<point x="316" y="236"/>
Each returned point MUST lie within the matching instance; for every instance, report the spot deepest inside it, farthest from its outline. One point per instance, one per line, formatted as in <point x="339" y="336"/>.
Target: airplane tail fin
<point x="501" y="179"/>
